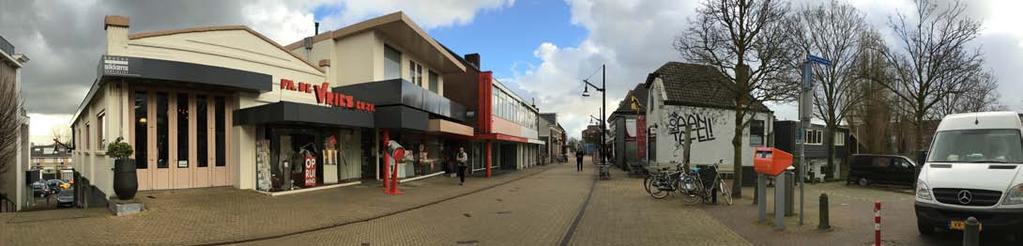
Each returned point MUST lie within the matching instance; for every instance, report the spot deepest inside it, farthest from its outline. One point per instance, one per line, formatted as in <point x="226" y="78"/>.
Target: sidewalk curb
<point x="256" y="239"/>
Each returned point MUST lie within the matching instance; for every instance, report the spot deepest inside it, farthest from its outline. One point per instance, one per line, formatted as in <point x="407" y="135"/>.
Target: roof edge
<point x="143" y="35"/>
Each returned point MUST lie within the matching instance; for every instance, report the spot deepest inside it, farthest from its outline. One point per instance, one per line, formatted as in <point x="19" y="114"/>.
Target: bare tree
<point x="11" y="117"/>
<point x="833" y="31"/>
<point x="978" y="94"/>
<point x="931" y="59"/>
<point x="746" y="41"/>
<point x="61" y="135"/>
<point x="871" y="118"/>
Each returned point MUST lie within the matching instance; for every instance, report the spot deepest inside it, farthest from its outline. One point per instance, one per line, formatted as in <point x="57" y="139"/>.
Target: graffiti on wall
<point x="701" y="125"/>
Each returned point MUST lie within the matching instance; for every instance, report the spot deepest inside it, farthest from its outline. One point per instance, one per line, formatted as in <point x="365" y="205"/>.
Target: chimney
<point x="316" y="28"/>
<point x="474" y="59"/>
<point x="117" y="34"/>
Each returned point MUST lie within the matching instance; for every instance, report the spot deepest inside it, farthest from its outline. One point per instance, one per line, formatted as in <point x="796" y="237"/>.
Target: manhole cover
<point x="499" y="200"/>
<point x="467" y="215"/>
<point x="504" y="212"/>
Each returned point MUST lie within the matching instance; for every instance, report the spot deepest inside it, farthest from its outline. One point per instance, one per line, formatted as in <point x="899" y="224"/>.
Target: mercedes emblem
<point x="964" y="197"/>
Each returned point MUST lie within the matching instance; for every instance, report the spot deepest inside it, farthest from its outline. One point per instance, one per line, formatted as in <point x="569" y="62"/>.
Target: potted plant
<point x="125" y="181"/>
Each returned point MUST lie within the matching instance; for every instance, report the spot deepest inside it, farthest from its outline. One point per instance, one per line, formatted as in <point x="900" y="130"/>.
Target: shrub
<point x="119" y="149"/>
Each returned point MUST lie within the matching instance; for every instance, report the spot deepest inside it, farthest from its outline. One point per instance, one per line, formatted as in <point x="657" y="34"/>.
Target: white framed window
<point x="87" y="138"/>
<point x="839" y="139"/>
<point x="415" y="72"/>
<point x="814" y="137"/>
<point x="101" y="128"/>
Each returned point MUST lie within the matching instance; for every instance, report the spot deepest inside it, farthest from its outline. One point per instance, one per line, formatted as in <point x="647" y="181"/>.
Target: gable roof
<point x="221" y="28"/>
<point x="625" y="106"/>
<point x="696" y="85"/>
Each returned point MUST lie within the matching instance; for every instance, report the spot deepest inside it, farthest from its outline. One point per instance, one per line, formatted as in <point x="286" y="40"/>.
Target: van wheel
<point x="863" y="182"/>
<point x="924" y="228"/>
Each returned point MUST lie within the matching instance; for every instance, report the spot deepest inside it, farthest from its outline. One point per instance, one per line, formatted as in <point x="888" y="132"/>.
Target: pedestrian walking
<point x="578" y="161"/>
<point x="463" y="159"/>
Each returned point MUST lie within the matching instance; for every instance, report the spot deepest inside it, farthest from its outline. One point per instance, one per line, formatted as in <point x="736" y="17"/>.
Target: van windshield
<point x="977" y="146"/>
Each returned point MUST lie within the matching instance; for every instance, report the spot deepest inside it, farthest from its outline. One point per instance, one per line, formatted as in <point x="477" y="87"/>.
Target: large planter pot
<point x="126" y="182"/>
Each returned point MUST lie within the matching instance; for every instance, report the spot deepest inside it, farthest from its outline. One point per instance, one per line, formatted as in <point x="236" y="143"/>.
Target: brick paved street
<point x="536" y="206"/>
<point x="851" y="209"/>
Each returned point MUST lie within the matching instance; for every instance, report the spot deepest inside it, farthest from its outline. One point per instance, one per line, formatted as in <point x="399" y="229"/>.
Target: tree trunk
<point x="919" y="137"/>
<point x="737" y="156"/>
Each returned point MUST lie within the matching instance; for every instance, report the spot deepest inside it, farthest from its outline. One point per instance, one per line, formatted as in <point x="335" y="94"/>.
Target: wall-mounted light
<point x="142" y="120"/>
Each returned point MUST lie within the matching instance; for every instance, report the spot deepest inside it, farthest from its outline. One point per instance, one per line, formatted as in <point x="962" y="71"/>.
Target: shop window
<point x="162" y="136"/>
<point x="141" y="124"/>
<point x="182" y="130"/>
<point x="201" y="129"/>
<point x="434" y="82"/>
<point x="218" y="116"/>
<point x="392" y="63"/>
<point x="101" y="137"/>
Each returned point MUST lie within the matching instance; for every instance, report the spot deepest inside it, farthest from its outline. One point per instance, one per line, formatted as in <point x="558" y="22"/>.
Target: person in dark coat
<point x="463" y="163"/>
<point x="579" y="161"/>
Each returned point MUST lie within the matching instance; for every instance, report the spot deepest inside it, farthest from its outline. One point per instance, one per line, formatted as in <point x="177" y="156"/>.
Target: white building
<point x="699" y="96"/>
<point x="13" y="188"/>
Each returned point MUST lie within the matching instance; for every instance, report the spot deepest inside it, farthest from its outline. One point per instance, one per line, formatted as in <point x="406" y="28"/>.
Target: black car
<point x="882" y="169"/>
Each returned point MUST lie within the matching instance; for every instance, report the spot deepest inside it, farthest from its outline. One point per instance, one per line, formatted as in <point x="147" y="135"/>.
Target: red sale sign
<point x="310" y="170"/>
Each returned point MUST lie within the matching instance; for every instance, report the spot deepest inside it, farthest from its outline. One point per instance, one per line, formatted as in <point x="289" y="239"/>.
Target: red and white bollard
<point x="877" y="223"/>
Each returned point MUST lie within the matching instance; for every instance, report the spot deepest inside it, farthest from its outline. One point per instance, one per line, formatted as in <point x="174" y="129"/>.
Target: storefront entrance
<point x="180" y="138"/>
<point x="293" y="157"/>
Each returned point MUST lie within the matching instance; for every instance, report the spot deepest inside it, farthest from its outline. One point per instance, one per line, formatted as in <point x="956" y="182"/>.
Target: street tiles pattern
<point x="533" y="211"/>
<point x="622" y="213"/>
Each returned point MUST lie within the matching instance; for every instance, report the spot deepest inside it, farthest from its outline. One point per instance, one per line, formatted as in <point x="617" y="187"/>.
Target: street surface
<point x="548" y="205"/>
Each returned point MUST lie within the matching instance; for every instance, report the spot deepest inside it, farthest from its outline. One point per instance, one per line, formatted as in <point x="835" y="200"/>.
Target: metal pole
<point x="603" y="120"/>
<point x="802" y="147"/>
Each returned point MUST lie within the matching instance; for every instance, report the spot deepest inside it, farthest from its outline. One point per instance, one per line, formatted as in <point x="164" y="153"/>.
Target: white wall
<point x="712" y="132"/>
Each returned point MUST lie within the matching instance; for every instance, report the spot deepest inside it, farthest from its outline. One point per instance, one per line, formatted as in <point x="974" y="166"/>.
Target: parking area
<point x="851" y="217"/>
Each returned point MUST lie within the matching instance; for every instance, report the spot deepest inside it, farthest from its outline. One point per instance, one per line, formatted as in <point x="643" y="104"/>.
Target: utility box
<point x="770" y="161"/>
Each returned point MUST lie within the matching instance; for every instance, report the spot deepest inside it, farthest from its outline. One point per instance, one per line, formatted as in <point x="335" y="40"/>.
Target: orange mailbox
<point x="770" y="161"/>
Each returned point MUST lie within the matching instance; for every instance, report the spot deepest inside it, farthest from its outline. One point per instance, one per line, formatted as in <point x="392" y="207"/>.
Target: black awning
<point x="137" y="67"/>
<point x="291" y="112"/>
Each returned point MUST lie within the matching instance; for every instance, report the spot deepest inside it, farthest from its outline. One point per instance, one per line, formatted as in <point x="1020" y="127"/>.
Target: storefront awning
<point x="292" y="113"/>
<point x="445" y="126"/>
<point x="156" y="69"/>
<point x="501" y="137"/>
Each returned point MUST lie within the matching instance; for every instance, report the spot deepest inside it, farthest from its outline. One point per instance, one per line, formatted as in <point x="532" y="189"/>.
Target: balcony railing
<point x="403" y="92"/>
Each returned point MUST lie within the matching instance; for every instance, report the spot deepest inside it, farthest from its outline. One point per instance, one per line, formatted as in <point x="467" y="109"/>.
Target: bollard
<point x="824" y="224"/>
<point x="877" y="223"/>
<point x="971" y="234"/>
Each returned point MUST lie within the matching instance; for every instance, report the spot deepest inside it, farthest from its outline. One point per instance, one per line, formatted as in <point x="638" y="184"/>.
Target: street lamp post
<point x="603" y="112"/>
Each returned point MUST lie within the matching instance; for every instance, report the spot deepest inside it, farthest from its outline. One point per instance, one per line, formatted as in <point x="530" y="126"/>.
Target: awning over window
<point x="291" y="112"/>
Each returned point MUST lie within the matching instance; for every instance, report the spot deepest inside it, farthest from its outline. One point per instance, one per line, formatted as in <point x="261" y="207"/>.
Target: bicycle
<point x="697" y="190"/>
<point x="658" y="184"/>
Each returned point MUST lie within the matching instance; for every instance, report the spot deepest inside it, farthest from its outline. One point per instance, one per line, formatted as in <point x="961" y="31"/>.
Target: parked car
<point x="40" y="189"/>
<point x="55" y="185"/>
<point x="881" y="169"/>
<point x="66" y="197"/>
<point x="973" y="170"/>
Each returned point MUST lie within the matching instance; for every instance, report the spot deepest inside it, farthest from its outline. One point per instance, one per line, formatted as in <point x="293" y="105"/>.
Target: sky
<point x="542" y="49"/>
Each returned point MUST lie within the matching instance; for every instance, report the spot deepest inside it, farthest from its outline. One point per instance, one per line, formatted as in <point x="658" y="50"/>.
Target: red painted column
<point x="387" y="161"/>
<point x="488" y="158"/>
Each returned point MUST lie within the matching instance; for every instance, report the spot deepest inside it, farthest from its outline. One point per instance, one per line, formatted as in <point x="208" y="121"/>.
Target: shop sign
<point x="117" y="66"/>
<point x="325" y="96"/>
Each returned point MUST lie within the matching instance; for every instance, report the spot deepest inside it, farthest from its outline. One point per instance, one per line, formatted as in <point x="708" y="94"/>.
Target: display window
<point x="292" y="158"/>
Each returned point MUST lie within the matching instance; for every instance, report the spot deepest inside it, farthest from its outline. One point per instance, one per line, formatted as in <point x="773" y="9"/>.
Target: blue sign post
<point x="805" y="113"/>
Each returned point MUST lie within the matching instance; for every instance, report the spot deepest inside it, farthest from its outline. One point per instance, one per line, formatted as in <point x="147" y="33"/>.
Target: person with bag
<point x="463" y="159"/>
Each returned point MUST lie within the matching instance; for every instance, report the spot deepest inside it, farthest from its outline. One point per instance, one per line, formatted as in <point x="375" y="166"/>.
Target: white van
<point x="973" y="169"/>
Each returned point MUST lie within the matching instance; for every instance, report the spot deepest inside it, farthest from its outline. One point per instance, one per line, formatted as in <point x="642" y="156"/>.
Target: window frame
<point x="101" y="130"/>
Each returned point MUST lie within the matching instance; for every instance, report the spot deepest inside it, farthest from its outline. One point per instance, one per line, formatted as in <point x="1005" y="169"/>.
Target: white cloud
<point x="41" y="126"/>
<point x="428" y="14"/>
<point x="633" y="38"/>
